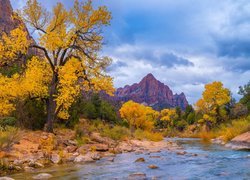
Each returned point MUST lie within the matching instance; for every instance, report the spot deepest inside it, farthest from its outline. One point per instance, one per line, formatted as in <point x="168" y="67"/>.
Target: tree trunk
<point x="51" y="105"/>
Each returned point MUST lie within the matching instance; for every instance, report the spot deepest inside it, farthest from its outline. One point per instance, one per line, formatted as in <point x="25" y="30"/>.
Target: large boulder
<point x="241" y="142"/>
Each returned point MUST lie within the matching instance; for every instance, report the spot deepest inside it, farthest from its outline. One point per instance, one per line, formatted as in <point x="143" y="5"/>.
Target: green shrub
<point x="116" y="132"/>
<point x="8" y="136"/>
<point x="7" y="121"/>
<point x="31" y="114"/>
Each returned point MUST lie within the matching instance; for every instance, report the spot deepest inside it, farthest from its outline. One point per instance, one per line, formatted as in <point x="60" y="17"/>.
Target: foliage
<point x="245" y="92"/>
<point x="116" y="132"/>
<point x="32" y="83"/>
<point x="69" y="41"/>
<point x="212" y="104"/>
<point x="138" y="115"/>
<point x="238" y="110"/>
<point x="147" y="135"/>
<point x="7" y="121"/>
<point x="236" y="127"/>
<point x="8" y="136"/>
<point x="31" y="113"/>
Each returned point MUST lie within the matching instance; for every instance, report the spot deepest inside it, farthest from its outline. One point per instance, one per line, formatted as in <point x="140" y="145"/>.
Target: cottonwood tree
<point x="212" y="104"/>
<point x="69" y="42"/>
<point x="138" y="116"/>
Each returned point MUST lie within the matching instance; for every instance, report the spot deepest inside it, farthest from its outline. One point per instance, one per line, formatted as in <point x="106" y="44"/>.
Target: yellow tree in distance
<point x="212" y="103"/>
<point x="69" y="42"/>
<point x="138" y="116"/>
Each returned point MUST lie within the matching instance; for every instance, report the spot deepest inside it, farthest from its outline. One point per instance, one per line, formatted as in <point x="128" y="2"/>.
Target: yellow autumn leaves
<point x="213" y="101"/>
<point x="32" y="83"/>
<point x="11" y="45"/>
<point x="143" y="117"/>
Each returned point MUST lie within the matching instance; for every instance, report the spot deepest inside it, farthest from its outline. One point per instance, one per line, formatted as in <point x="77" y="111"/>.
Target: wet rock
<point x="89" y="157"/>
<point x="138" y="152"/>
<point x="152" y="166"/>
<point x="241" y="142"/>
<point x="181" y="153"/>
<point x="95" y="156"/>
<point x="140" y="160"/>
<point x="154" y="151"/>
<point x="137" y="176"/>
<point x="110" y="159"/>
<point x="36" y="165"/>
<point x="28" y="169"/>
<point x="6" y="178"/>
<point x="155" y="156"/>
<point x="218" y="140"/>
<point x="42" y="176"/>
<point x="55" y="158"/>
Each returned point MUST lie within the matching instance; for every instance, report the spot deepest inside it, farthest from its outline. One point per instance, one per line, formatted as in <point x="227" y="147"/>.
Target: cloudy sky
<point x="184" y="43"/>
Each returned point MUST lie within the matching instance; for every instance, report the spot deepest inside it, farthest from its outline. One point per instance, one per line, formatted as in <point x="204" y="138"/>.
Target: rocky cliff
<point x="8" y="23"/>
<point x="151" y="92"/>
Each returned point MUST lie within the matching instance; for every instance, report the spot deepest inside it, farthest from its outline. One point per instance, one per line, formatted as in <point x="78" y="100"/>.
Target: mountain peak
<point x="152" y="92"/>
<point x="149" y="77"/>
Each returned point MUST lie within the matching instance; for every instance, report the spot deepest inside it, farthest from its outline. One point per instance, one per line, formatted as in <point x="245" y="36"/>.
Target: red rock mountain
<point x="151" y="92"/>
<point x="7" y="23"/>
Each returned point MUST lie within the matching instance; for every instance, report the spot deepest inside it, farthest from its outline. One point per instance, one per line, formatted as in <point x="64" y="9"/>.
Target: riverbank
<point x="200" y="161"/>
<point x="37" y="149"/>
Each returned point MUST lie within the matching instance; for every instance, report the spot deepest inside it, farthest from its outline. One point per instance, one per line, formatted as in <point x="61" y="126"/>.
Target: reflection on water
<point x="213" y="162"/>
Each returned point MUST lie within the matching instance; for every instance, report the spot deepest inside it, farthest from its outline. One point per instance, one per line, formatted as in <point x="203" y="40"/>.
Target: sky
<point x="184" y="44"/>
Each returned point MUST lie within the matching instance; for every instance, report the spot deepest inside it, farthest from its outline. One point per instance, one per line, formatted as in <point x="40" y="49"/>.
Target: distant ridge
<point x="151" y="92"/>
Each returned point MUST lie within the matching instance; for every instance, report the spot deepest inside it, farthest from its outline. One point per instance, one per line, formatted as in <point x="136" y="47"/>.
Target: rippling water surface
<point x="212" y="162"/>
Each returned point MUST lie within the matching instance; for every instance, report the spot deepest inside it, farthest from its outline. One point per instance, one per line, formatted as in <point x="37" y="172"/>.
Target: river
<point x="212" y="162"/>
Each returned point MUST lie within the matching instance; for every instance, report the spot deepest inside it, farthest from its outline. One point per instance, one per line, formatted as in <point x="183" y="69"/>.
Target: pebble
<point x="140" y="160"/>
<point x="152" y="166"/>
<point x="137" y="176"/>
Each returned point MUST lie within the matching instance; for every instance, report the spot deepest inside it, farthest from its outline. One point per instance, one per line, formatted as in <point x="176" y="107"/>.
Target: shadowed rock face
<point x="151" y="92"/>
<point x="7" y="23"/>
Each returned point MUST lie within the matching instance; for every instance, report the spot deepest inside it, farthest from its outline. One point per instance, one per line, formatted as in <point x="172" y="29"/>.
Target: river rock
<point x="218" y="140"/>
<point x="152" y="166"/>
<point x="82" y="158"/>
<point x="71" y="149"/>
<point x="55" y="158"/>
<point x="155" y="156"/>
<point x="89" y="157"/>
<point x="6" y="178"/>
<point x="241" y="142"/>
<point x="124" y="147"/>
<point x="181" y="153"/>
<point x="42" y="176"/>
<point x="28" y="169"/>
<point x="137" y="176"/>
<point x="36" y="165"/>
<point x="140" y="160"/>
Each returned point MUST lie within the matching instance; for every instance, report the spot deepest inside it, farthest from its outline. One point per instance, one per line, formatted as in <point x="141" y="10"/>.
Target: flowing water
<point x="212" y="162"/>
